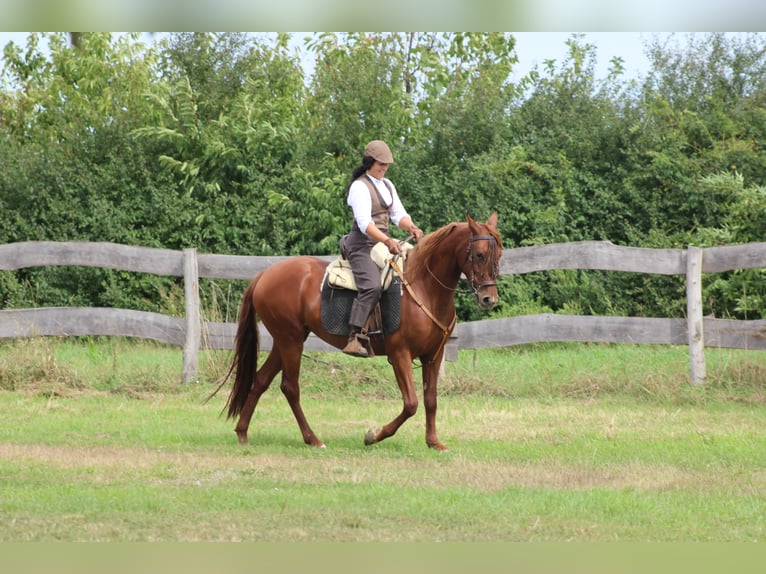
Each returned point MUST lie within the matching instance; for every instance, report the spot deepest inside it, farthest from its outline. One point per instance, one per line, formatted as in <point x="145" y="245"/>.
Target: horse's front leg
<point x="430" y="380"/>
<point x="403" y="371"/>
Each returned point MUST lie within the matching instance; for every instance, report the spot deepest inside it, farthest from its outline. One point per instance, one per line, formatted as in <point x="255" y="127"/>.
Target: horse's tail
<point x="245" y="361"/>
<point x="246" y="347"/>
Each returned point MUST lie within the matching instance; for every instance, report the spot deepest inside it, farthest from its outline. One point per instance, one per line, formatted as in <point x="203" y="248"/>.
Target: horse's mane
<point x="418" y="258"/>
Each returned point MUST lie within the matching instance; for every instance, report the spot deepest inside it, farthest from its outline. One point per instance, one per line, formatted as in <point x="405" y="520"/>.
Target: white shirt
<point x="361" y="203"/>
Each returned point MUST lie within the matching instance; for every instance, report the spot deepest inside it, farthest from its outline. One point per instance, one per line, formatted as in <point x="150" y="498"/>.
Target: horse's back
<point x="290" y="275"/>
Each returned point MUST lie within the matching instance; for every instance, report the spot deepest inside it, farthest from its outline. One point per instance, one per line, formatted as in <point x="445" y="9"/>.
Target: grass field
<point x="99" y="441"/>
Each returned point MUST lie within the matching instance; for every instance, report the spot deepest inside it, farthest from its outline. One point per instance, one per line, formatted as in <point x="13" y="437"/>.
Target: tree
<point x="228" y="124"/>
<point x="71" y="168"/>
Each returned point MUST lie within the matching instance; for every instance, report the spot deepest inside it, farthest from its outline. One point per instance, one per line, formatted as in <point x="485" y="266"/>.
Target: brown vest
<point x="380" y="213"/>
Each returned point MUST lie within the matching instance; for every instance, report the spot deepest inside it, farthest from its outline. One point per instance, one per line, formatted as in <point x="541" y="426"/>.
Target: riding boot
<point x="356" y="346"/>
<point x="356" y="340"/>
<point x="357" y="343"/>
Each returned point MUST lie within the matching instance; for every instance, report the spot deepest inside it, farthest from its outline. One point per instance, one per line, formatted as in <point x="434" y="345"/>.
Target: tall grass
<point x="542" y="371"/>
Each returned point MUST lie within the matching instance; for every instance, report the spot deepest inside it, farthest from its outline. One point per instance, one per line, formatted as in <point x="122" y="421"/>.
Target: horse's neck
<point x="442" y="267"/>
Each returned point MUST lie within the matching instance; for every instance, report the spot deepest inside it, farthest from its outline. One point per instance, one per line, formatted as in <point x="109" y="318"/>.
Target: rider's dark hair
<point x="366" y="164"/>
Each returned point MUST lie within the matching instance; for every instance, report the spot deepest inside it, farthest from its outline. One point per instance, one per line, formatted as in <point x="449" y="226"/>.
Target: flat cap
<point x="379" y="151"/>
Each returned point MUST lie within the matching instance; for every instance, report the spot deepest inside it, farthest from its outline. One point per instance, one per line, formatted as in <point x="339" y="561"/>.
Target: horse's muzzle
<point x="486" y="295"/>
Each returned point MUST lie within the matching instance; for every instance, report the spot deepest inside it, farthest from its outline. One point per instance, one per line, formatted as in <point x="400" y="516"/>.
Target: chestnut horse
<point x="286" y="299"/>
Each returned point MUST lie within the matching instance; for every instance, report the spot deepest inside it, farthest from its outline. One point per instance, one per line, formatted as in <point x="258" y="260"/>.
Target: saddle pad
<point x="336" y="307"/>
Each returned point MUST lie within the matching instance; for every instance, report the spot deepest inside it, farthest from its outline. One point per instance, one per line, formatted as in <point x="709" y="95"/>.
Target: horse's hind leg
<point x="263" y="378"/>
<point x="291" y="367"/>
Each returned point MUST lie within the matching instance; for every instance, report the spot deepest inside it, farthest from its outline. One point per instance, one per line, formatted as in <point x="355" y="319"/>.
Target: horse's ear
<point x="492" y="221"/>
<point x="472" y="225"/>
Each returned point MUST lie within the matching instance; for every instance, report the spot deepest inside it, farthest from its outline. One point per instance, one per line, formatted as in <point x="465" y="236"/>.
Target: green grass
<point x="100" y="441"/>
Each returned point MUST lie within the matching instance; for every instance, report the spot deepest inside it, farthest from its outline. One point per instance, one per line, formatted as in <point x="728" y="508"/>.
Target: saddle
<point x="339" y="291"/>
<point x="340" y="275"/>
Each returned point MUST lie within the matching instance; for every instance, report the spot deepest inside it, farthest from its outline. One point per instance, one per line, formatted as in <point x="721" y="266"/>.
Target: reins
<point x="446" y="330"/>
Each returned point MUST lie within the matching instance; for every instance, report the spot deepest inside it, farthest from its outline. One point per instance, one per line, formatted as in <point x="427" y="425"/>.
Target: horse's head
<point x="482" y="261"/>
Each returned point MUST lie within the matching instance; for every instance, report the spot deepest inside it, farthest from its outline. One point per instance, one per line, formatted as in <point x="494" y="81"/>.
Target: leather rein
<point x="446" y="330"/>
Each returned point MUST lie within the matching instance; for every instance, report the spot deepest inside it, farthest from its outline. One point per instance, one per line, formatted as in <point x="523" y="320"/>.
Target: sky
<point x="532" y="48"/>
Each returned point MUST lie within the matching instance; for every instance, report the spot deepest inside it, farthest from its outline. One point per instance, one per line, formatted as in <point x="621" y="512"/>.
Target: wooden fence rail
<point x="193" y="333"/>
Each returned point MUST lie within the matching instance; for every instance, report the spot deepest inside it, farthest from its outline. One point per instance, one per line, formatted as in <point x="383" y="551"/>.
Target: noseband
<point x="494" y="260"/>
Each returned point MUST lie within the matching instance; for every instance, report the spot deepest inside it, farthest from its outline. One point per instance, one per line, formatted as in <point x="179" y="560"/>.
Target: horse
<point x="286" y="298"/>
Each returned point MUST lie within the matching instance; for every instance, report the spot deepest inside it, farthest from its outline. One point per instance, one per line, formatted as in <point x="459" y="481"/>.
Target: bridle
<point x="494" y="260"/>
<point x="475" y="288"/>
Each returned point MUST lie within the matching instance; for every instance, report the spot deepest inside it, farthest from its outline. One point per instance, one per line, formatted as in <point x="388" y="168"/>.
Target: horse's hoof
<point x="371" y="437"/>
<point x="242" y="437"/>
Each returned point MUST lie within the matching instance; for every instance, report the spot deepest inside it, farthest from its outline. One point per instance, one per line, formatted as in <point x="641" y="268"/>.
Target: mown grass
<point x="99" y="440"/>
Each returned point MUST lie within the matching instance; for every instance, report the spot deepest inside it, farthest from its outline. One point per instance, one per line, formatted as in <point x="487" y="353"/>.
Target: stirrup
<point x="357" y="346"/>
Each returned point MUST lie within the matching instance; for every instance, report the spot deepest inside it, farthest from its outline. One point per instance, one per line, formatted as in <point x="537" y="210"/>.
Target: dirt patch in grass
<point x="442" y="472"/>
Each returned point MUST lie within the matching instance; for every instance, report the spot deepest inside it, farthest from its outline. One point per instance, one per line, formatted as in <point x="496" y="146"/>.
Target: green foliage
<point x="740" y="294"/>
<point x="220" y="141"/>
<point x="356" y="95"/>
<point x="228" y="128"/>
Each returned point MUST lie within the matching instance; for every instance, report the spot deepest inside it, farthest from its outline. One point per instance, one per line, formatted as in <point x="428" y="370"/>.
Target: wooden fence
<point x="193" y="333"/>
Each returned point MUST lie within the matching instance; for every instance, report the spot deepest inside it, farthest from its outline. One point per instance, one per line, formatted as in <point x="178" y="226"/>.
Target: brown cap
<point x="379" y="151"/>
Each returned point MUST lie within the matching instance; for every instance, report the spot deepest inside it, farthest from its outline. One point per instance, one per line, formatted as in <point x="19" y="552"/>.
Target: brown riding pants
<point x="366" y="276"/>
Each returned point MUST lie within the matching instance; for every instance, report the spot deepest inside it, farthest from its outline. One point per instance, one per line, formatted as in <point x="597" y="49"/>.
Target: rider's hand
<point x="393" y="246"/>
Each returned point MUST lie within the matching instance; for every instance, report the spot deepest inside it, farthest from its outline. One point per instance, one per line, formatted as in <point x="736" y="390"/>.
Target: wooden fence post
<point x="694" y="320"/>
<point x="193" y="324"/>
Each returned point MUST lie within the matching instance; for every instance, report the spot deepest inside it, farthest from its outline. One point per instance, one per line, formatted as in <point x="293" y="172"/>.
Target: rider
<point x="374" y="201"/>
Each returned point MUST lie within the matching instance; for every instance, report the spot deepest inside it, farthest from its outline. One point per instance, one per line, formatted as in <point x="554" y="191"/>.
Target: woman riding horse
<point x="374" y="201"/>
<point x="286" y="298"/>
